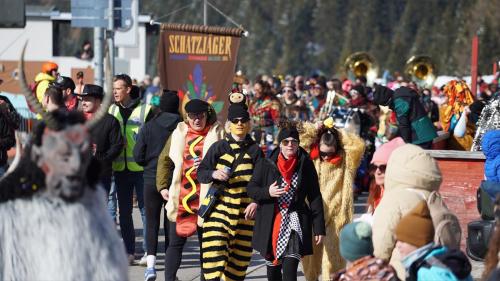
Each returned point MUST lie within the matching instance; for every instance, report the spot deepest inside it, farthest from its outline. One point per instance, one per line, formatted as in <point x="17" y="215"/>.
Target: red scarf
<point x="315" y="155"/>
<point x="287" y="169"/>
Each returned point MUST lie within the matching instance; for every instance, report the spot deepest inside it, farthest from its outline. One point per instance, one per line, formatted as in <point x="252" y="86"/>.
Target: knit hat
<point x="382" y="95"/>
<point x="196" y="106"/>
<point x="383" y="153"/>
<point x="169" y="101"/>
<point x="237" y="110"/>
<point x="356" y="241"/>
<point x="416" y="227"/>
<point x="288" y="132"/>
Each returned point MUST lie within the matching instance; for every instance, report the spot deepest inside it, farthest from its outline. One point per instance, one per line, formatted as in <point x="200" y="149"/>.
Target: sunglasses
<point x="326" y="154"/>
<point x="237" y="120"/>
<point x="194" y="116"/>
<point x="374" y="167"/>
<point x="287" y="142"/>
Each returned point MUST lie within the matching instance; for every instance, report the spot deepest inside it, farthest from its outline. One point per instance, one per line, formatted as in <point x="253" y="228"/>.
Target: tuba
<point x="361" y="64"/>
<point x="422" y="71"/>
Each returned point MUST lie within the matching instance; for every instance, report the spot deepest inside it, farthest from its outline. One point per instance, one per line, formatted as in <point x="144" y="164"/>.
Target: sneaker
<point x="131" y="259"/>
<point x="150" y="274"/>
<point x="144" y="261"/>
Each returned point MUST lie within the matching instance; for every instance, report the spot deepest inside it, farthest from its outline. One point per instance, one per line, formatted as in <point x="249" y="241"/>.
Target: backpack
<point x="447" y="231"/>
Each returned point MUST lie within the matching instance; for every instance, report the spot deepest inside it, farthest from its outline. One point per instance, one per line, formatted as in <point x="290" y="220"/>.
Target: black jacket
<point x="150" y="142"/>
<point x="108" y="143"/>
<point x="310" y="214"/>
<point x="9" y="122"/>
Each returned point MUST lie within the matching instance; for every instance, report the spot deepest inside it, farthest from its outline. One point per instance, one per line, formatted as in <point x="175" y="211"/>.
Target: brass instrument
<point x="361" y="64"/>
<point x="422" y="71"/>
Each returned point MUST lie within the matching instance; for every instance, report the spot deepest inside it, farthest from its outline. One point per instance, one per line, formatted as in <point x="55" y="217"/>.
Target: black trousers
<point x="153" y="204"/>
<point x="289" y="267"/>
<point x="173" y="254"/>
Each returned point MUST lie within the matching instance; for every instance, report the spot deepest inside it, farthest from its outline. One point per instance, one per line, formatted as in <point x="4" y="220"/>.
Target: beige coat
<point x="336" y="185"/>
<point x="411" y="173"/>
<point x="175" y="154"/>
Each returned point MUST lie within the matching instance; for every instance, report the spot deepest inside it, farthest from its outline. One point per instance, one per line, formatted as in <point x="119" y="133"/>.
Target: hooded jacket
<point x="150" y="142"/>
<point x="42" y="81"/>
<point x="411" y="173"/>
<point x="491" y="149"/>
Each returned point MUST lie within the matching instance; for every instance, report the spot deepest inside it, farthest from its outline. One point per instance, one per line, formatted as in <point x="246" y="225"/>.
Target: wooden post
<point x="473" y="68"/>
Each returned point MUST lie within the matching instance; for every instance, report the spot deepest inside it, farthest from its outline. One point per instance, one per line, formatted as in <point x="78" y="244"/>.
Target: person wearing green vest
<point x="131" y="114"/>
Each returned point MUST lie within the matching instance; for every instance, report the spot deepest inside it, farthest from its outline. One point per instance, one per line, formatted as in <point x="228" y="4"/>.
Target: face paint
<point x="64" y="156"/>
<point x="239" y="129"/>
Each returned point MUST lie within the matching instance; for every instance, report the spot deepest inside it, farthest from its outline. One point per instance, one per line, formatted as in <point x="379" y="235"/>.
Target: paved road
<point x="190" y="267"/>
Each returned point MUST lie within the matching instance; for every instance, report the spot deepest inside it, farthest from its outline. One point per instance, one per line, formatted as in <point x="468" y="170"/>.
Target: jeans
<point x="3" y="169"/>
<point x="112" y="200"/>
<point x="125" y="182"/>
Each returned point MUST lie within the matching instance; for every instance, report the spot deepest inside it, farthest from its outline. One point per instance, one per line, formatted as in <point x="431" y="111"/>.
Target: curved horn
<point x="32" y="100"/>
<point x="108" y="96"/>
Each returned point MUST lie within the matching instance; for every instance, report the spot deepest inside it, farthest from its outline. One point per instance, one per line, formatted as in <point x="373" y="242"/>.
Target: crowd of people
<point x="279" y="175"/>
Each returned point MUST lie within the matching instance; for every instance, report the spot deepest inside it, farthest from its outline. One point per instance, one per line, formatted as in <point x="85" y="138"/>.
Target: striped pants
<point x="227" y="249"/>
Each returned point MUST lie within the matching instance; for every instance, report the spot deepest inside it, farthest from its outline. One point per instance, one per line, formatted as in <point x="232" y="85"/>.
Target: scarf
<point x="287" y="167"/>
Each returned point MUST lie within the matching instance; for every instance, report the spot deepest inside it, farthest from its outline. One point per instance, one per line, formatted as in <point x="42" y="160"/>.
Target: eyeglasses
<point x="194" y="116"/>
<point x="374" y="167"/>
<point x="326" y="154"/>
<point x="287" y="142"/>
<point x="237" y="120"/>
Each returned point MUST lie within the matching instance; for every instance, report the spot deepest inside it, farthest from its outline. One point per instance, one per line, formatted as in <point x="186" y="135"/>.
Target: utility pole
<point x="205" y="12"/>
<point x="473" y="68"/>
<point x="98" y="56"/>
<point x="110" y="35"/>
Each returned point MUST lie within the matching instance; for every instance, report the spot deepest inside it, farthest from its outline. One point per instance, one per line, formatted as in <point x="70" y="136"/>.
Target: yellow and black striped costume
<point x="227" y="236"/>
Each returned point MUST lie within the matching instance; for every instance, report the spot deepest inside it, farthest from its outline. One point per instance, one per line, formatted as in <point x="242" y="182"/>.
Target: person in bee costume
<point x="228" y="228"/>
<point x="336" y="155"/>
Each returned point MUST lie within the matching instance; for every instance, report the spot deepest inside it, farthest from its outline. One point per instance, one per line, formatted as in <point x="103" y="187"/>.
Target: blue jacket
<point x="432" y="262"/>
<point x="491" y="149"/>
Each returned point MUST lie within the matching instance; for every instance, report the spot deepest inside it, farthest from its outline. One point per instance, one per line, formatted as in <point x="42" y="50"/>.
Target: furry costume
<point x="50" y="239"/>
<point x="336" y="182"/>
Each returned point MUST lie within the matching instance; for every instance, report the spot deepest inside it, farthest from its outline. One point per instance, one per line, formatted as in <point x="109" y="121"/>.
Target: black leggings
<point x="153" y="203"/>
<point x="173" y="254"/>
<point x="289" y="266"/>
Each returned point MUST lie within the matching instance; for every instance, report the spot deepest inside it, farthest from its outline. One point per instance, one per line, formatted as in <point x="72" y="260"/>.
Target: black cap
<point x="382" y="95"/>
<point x="237" y="110"/>
<point x="90" y="90"/>
<point x="64" y="83"/>
<point x="169" y="101"/>
<point x="288" y="132"/>
<point x="196" y="106"/>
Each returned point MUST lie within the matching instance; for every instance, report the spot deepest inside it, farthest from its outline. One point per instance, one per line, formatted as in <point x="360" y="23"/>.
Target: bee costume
<point x="227" y="235"/>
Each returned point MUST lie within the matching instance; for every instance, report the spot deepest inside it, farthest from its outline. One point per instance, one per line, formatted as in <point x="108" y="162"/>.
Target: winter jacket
<point x="335" y="183"/>
<point x="411" y="173"/>
<point x="310" y="213"/>
<point x="414" y="124"/>
<point x="491" y="149"/>
<point x="150" y="142"/>
<point x="432" y="262"/>
<point x="9" y="122"/>
<point x="42" y="81"/>
<point x="175" y="154"/>
<point x="107" y="142"/>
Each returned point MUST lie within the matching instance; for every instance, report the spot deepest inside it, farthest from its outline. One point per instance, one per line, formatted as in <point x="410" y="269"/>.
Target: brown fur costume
<point x="336" y="189"/>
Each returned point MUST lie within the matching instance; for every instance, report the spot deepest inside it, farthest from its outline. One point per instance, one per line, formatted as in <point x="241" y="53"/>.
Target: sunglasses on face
<point x="374" y="167"/>
<point x="287" y="142"/>
<point x="237" y="120"/>
<point x="194" y="116"/>
<point x="326" y="154"/>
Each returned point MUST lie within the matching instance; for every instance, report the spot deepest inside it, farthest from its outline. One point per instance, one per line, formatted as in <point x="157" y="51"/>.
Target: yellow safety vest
<point x="129" y="131"/>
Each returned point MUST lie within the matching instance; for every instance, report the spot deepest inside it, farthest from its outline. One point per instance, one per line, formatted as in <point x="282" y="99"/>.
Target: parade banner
<point x="199" y="62"/>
